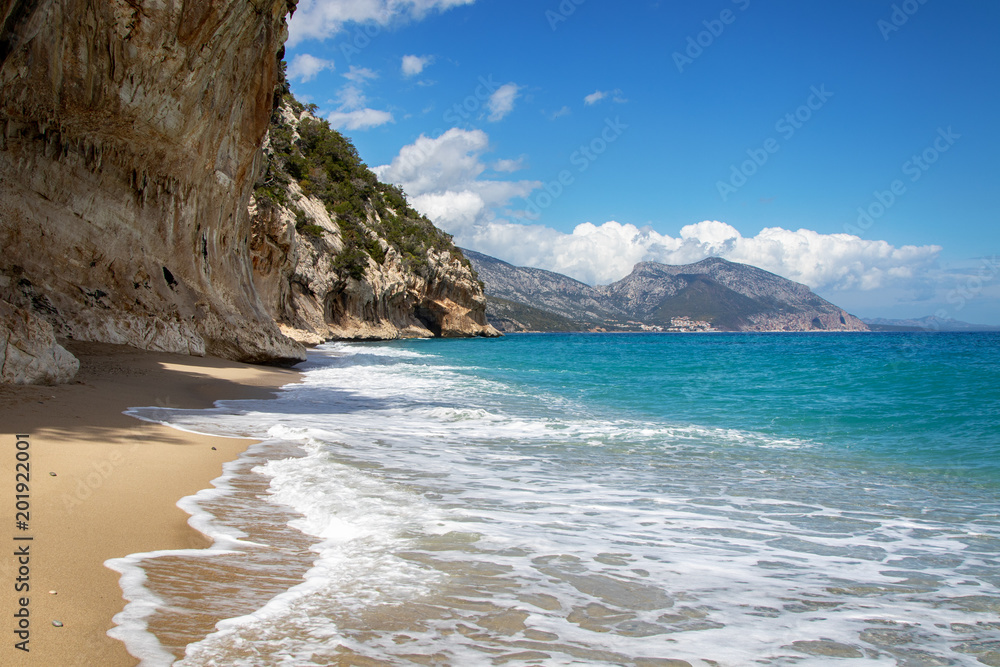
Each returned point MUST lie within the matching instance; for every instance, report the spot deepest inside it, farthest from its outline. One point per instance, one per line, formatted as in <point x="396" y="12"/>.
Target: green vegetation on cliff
<point x="327" y="166"/>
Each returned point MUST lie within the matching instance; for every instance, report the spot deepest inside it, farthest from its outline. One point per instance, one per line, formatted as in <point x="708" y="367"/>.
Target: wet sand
<point x="114" y="490"/>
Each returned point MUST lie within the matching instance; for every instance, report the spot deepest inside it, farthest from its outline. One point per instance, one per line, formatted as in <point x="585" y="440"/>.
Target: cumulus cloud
<point x="305" y="67"/>
<point x="444" y="177"/>
<point x="351" y="97"/>
<point x="598" y="95"/>
<point x="359" y="119"/>
<point x="414" y="65"/>
<point x="509" y="166"/>
<point x="352" y="113"/>
<point x="360" y="74"/>
<point x="320" y="19"/>
<point x="502" y="100"/>
<point x="601" y="254"/>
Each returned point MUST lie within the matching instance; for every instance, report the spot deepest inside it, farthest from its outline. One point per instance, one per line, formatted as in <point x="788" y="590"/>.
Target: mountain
<point x="513" y="316"/>
<point x="543" y="290"/>
<point x="138" y="205"/>
<point x="929" y="323"/>
<point x="722" y="295"/>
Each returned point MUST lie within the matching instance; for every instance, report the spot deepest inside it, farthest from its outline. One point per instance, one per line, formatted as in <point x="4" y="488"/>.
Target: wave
<point x="446" y="514"/>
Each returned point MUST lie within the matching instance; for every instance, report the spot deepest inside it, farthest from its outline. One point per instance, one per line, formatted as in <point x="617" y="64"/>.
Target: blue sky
<point x="583" y="136"/>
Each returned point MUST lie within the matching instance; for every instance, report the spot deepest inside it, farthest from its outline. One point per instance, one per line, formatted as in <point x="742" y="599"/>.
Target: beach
<point x="640" y="499"/>
<point x="536" y="499"/>
<point x="105" y="485"/>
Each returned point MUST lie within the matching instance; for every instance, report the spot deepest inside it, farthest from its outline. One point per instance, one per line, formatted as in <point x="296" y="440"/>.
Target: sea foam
<point x="448" y="515"/>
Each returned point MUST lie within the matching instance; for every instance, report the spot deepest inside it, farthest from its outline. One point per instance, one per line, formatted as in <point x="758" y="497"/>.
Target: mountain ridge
<point x="726" y="295"/>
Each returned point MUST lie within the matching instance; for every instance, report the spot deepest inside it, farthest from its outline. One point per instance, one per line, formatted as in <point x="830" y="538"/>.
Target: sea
<point x="715" y="499"/>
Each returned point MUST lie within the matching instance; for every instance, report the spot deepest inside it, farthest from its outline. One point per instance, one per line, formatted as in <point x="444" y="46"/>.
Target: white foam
<point x="131" y="623"/>
<point x="748" y="543"/>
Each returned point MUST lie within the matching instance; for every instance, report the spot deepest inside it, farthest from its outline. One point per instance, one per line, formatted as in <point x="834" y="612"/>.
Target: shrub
<point x="327" y="165"/>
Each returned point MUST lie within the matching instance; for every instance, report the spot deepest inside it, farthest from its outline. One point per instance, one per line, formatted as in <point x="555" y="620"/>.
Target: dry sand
<point x="114" y="492"/>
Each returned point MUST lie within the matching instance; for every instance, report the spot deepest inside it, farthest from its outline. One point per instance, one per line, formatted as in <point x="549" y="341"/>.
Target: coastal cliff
<point x="131" y="137"/>
<point x="337" y="254"/>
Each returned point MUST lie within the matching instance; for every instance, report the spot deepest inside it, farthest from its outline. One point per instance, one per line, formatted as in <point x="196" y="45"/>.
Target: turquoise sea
<point x="597" y="499"/>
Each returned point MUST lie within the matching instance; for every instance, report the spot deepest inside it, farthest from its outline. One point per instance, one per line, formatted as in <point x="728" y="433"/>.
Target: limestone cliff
<point x="339" y="255"/>
<point x="130" y="135"/>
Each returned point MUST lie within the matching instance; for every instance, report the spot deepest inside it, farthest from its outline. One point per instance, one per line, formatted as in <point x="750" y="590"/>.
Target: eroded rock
<point x="29" y="353"/>
<point x="130" y="137"/>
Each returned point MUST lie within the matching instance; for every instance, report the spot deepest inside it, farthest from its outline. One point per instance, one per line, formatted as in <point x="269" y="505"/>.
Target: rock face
<point x="349" y="259"/>
<point x="130" y="135"/>
<point x="29" y="353"/>
<point x="731" y="296"/>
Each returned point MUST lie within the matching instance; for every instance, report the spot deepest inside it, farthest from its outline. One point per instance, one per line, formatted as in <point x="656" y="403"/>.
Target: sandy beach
<point x="104" y="485"/>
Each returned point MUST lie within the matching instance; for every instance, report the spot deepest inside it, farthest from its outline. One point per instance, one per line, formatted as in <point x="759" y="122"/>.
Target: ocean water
<point x="597" y="499"/>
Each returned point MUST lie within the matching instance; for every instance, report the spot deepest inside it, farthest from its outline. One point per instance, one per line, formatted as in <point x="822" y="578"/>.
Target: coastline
<point x="116" y="484"/>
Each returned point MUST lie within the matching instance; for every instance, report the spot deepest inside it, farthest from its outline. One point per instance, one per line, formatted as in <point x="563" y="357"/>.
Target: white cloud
<point x="605" y="253"/>
<point x="461" y="208"/>
<point x="414" y="65"/>
<point x="435" y="165"/>
<point x="444" y="178"/>
<point x="305" y="67"/>
<point x="352" y="112"/>
<point x="509" y="166"/>
<point x="502" y="100"/>
<point x="320" y="19"/>
<point x="598" y="95"/>
<point x="351" y="97"/>
<point x="565" y="111"/>
<point x="360" y="74"/>
<point x="359" y="119"/>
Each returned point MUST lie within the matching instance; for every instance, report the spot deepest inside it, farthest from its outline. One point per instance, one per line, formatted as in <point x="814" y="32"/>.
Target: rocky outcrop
<point x="359" y="263"/>
<point x="730" y="296"/>
<point x="130" y="135"/>
<point x="29" y="353"/>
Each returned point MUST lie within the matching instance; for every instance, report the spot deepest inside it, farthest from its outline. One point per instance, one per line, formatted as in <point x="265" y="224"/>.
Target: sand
<point x="114" y="492"/>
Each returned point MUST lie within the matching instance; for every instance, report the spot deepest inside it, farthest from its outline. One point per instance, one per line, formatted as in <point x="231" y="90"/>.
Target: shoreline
<point x="115" y="489"/>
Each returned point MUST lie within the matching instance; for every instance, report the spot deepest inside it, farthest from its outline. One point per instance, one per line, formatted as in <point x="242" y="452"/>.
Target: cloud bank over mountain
<point x="450" y="181"/>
